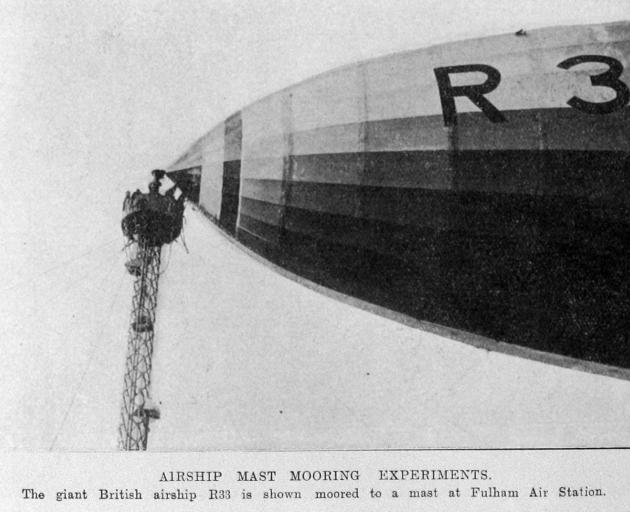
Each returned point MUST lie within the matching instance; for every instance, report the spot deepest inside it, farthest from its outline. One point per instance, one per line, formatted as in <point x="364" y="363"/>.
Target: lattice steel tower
<point x="150" y="220"/>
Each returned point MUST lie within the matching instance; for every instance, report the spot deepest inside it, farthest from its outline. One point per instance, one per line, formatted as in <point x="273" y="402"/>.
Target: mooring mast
<point x="150" y="220"/>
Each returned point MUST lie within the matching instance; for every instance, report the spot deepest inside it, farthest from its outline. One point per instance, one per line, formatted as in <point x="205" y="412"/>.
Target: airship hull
<point x="481" y="185"/>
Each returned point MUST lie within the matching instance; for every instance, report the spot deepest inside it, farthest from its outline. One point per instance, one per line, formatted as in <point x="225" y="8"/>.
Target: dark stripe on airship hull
<point x="526" y="129"/>
<point x="545" y="268"/>
<point x="600" y="177"/>
<point x="232" y="148"/>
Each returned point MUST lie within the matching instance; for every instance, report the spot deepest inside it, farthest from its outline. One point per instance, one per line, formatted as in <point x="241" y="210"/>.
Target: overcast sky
<point x="93" y="95"/>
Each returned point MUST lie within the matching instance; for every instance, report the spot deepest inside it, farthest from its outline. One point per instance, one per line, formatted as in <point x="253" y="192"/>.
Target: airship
<point x="480" y="187"/>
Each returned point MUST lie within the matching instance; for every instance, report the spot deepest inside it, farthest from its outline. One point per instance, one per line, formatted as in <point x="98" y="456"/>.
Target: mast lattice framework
<point x="135" y="415"/>
<point x="150" y="220"/>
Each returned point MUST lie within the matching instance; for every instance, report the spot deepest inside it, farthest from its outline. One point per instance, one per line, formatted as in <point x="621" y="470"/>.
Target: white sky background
<point x="93" y="95"/>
